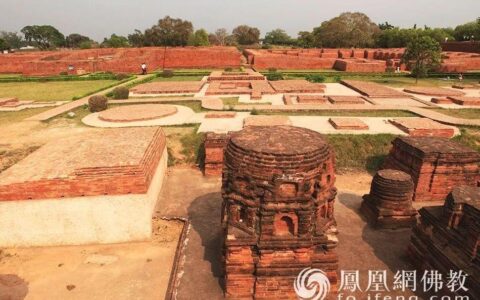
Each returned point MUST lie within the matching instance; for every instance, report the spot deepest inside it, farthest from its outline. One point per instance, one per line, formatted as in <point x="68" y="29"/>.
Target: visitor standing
<point x="144" y="69"/>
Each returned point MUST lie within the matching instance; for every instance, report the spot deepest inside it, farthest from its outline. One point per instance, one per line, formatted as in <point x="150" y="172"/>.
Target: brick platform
<point x="447" y="238"/>
<point x="266" y="121"/>
<point x="248" y="74"/>
<point x="134" y="113"/>
<point x="348" y="124"/>
<point x="433" y="91"/>
<point x="360" y="65"/>
<point x="278" y="211"/>
<point x="373" y="90"/>
<point x="297" y="86"/>
<point x="220" y="115"/>
<point x="436" y="165"/>
<point x="255" y="88"/>
<point x="214" y="144"/>
<point x="346" y="100"/>
<point x="112" y="162"/>
<point x="442" y="101"/>
<point x="389" y="203"/>
<point x="423" y="127"/>
<point x="473" y="101"/>
<point x="170" y="87"/>
<point x="122" y="60"/>
<point x="310" y="99"/>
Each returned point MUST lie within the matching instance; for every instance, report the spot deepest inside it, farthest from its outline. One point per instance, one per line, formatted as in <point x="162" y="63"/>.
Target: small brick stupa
<point x="389" y="204"/>
<point x="448" y="238"/>
<point x="436" y="165"/>
<point x="278" y="191"/>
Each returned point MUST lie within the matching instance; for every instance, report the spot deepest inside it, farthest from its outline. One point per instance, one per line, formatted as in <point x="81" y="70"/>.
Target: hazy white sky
<point x="99" y="18"/>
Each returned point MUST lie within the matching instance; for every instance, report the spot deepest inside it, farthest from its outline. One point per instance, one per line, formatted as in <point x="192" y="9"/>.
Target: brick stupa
<point x="278" y="191"/>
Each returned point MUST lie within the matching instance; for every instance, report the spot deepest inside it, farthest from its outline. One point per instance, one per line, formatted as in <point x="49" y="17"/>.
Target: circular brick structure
<point x="278" y="191"/>
<point x="134" y="113"/>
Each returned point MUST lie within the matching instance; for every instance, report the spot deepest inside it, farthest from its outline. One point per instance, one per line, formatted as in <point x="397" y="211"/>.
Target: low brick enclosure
<point x="447" y="238"/>
<point x="456" y="62"/>
<point x="436" y="165"/>
<point x="360" y="65"/>
<point x="297" y="86"/>
<point x="389" y="203"/>
<point x="124" y="60"/>
<point x="134" y="113"/>
<point x="307" y="99"/>
<point x="373" y="90"/>
<point x="255" y="88"/>
<point x="248" y="74"/>
<point x="433" y="91"/>
<point x="469" y="46"/>
<point x="214" y="145"/>
<point x="100" y="186"/>
<point x="473" y="101"/>
<point x="348" y="124"/>
<point x="169" y="87"/>
<point x="442" y="100"/>
<point x="346" y="100"/>
<point x="423" y="127"/>
<point x="278" y="211"/>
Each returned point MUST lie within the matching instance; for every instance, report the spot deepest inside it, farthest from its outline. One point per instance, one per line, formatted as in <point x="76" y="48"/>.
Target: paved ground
<point x="101" y="272"/>
<point x="188" y="193"/>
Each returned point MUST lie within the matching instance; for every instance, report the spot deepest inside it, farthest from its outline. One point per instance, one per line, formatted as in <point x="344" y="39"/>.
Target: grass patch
<point x="196" y="106"/>
<point x="184" y="145"/>
<point x="464" y="113"/>
<point x="9" y="117"/>
<point x="360" y="152"/>
<point x="230" y="101"/>
<point x="344" y="113"/>
<point x="470" y="137"/>
<point x="52" y="91"/>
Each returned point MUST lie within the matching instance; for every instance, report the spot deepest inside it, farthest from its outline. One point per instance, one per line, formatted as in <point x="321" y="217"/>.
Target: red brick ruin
<point x="389" y="203"/>
<point x="436" y="165"/>
<point x="447" y="238"/>
<point x="278" y="191"/>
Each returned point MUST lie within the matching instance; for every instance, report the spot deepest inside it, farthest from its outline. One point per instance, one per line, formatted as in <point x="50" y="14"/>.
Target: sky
<point x="100" y="18"/>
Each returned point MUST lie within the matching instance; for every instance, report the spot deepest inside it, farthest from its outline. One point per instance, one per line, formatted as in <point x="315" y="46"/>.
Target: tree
<point x="43" y="36"/>
<point x="305" y="39"/>
<point x="422" y="54"/>
<point x="219" y="37"/>
<point x="74" y="40"/>
<point x="385" y="26"/>
<point x="346" y="30"/>
<point x="169" y="32"/>
<point x="277" y="37"/>
<point x="399" y="38"/>
<point x="4" y="45"/>
<point x="136" y="39"/>
<point x="467" y="31"/>
<point x="12" y="39"/>
<point x="246" y="35"/>
<point x="115" y="41"/>
<point x="199" y="38"/>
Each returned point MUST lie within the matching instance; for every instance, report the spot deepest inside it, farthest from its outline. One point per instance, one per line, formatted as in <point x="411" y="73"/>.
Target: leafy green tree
<point x="306" y="39"/>
<point x="422" y="54"/>
<point x="115" y="41"/>
<point x="74" y="40"/>
<point x="4" y="45"/>
<point x="137" y="39"/>
<point x="346" y="30"/>
<point x="13" y="39"/>
<point x="277" y="37"/>
<point x="385" y="26"/>
<point x="199" y="38"/>
<point x="246" y="35"/>
<point x="43" y="36"/>
<point x="398" y="38"/>
<point x="169" y="32"/>
<point x="467" y="31"/>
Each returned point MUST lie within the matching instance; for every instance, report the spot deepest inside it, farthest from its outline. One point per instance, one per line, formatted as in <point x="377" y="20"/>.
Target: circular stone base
<point x="134" y="113"/>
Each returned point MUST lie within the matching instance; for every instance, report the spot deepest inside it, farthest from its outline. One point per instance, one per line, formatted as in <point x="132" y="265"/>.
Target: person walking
<point x="144" y="69"/>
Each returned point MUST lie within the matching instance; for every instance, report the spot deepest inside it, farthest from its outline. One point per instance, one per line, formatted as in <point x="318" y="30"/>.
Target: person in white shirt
<point x="144" y="69"/>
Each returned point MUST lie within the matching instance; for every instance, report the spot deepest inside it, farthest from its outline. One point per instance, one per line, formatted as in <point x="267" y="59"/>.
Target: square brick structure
<point x="278" y="211"/>
<point x="360" y="65"/>
<point x="169" y="87"/>
<point x="100" y="186"/>
<point x="348" y="124"/>
<point x="248" y="74"/>
<point x="447" y="238"/>
<point x="255" y="88"/>
<point x="266" y="121"/>
<point x="373" y="90"/>
<point x="310" y="99"/>
<point x="423" y="127"/>
<point x="436" y="165"/>
<point x="389" y="203"/>
<point x="297" y="86"/>
<point x="214" y="145"/>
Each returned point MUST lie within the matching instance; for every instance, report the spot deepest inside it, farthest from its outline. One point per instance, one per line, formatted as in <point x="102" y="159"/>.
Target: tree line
<point x="344" y="31"/>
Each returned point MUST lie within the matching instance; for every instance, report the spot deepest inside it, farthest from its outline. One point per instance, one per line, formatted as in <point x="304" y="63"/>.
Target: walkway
<point x="44" y="116"/>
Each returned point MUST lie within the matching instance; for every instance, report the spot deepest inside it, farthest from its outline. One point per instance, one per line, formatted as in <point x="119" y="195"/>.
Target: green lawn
<point x="10" y="117"/>
<point x="465" y="113"/>
<point x="53" y="90"/>
<point x="470" y="137"/>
